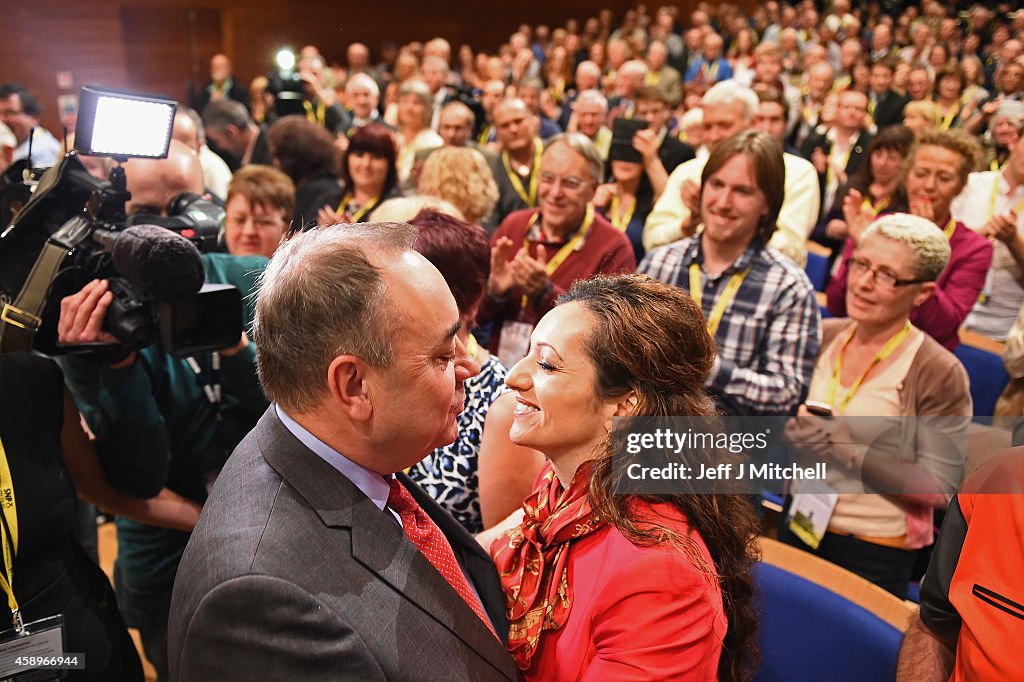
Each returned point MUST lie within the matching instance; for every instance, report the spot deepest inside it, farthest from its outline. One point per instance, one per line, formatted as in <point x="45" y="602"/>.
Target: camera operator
<point x="164" y="421"/>
<point x="49" y="458"/>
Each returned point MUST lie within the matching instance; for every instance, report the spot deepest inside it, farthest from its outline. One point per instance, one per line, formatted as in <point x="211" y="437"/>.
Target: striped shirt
<point x="768" y="337"/>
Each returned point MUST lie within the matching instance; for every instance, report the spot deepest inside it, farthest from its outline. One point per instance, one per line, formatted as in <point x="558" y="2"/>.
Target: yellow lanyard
<point x="361" y="213"/>
<point x="992" y="201"/>
<point x="837" y="371"/>
<point x="723" y="301"/>
<point x="517" y="184"/>
<point x="867" y="206"/>
<point x="563" y="253"/>
<point x="944" y="122"/>
<point x="319" y="116"/>
<point x="10" y="533"/>
<point x="994" y="166"/>
<point x="950" y="228"/>
<point x="710" y="74"/>
<point x="618" y="217"/>
<point x="831" y="175"/>
<point x="484" y="134"/>
<point x="558" y="92"/>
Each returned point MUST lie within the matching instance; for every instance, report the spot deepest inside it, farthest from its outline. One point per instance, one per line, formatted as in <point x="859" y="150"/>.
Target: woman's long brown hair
<point x="650" y="338"/>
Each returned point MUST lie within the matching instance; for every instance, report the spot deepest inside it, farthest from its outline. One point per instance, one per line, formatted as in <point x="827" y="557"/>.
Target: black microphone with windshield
<point x="158" y="262"/>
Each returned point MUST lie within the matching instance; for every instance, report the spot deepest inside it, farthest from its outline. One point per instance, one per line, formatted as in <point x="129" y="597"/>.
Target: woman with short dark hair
<point x="369" y="177"/>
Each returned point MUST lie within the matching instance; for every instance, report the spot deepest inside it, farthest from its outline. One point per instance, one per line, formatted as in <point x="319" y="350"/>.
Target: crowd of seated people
<point x="711" y="152"/>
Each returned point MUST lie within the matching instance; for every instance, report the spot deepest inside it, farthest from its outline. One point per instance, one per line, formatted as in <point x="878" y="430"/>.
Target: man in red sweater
<point x="536" y="254"/>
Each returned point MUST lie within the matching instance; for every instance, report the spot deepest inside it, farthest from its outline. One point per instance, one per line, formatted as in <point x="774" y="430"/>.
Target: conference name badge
<point x="35" y="646"/>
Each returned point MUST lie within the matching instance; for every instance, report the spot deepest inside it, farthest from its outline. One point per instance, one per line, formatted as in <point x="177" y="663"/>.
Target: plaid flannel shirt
<point x="768" y="338"/>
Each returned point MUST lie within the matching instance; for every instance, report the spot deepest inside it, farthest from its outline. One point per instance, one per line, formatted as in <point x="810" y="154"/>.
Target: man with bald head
<point x="516" y="168"/>
<point x="222" y="85"/>
<point x="169" y="422"/>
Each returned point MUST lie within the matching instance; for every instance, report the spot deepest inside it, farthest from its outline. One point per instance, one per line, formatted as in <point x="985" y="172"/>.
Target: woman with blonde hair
<point x="460" y="175"/>
<point x="920" y="116"/>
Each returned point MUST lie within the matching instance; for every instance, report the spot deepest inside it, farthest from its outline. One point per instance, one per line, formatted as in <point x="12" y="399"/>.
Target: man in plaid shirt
<point x="759" y="305"/>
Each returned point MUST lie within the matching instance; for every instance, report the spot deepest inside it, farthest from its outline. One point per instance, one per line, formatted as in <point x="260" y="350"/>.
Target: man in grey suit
<point x="299" y="568"/>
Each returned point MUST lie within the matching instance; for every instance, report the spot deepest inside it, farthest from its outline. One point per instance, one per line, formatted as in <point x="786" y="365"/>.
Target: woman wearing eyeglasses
<point x="938" y="167"/>
<point x="876" y="363"/>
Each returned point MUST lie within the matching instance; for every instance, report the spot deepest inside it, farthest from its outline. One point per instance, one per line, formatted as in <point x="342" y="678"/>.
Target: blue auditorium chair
<point x="821" y="622"/>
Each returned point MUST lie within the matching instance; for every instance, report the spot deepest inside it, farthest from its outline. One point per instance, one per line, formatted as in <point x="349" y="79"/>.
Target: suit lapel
<point x="378" y="542"/>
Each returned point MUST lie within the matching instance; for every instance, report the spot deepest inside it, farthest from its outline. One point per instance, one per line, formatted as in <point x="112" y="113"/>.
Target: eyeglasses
<point x="569" y="184"/>
<point x="882" y="278"/>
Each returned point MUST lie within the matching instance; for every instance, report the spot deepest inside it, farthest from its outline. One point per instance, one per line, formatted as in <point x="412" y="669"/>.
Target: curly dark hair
<point x="650" y="338"/>
<point x="302" y="149"/>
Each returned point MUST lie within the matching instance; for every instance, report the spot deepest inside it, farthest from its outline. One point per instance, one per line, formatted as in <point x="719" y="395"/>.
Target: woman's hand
<point x="857" y="217"/>
<point x="327" y="216"/>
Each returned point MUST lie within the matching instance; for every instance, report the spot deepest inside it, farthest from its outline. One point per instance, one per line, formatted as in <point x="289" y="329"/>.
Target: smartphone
<point x="819" y="409"/>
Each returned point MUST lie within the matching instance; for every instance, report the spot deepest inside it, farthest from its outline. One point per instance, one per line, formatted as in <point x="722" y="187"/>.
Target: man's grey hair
<point x="582" y="145"/>
<point x="922" y="237"/>
<point x="634" y="67"/>
<point x="727" y="93"/>
<point x="219" y="115"/>
<point x="322" y="296"/>
<point x="361" y="79"/>
<point x="590" y="67"/>
<point x="1011" y="110"/>
<point x="592" y="97"/>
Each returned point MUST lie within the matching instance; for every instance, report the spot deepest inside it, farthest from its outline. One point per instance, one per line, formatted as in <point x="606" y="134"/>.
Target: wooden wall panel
<point x="147" y="44"/>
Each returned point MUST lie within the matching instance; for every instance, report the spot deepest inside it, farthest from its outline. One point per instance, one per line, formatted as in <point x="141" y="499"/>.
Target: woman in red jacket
<point x="608" y="586"/>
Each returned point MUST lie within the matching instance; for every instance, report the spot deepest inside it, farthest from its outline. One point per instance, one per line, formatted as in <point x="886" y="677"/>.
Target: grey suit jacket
<point x="294" y="574"/>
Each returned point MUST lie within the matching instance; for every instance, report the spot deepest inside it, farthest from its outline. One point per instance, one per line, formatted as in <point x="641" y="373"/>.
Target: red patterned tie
<point x="432" y="544"/>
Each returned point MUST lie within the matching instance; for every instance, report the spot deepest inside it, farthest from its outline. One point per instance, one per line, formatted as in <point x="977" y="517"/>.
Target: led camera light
<point x="123" y="124"/>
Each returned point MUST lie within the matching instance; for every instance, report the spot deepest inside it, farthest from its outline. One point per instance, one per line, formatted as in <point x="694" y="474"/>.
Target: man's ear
<point x="346" y="382"/>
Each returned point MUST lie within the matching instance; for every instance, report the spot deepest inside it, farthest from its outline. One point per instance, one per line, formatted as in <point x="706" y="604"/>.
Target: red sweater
<point x="958" y="287"/>
<point x="605" y="250"/>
